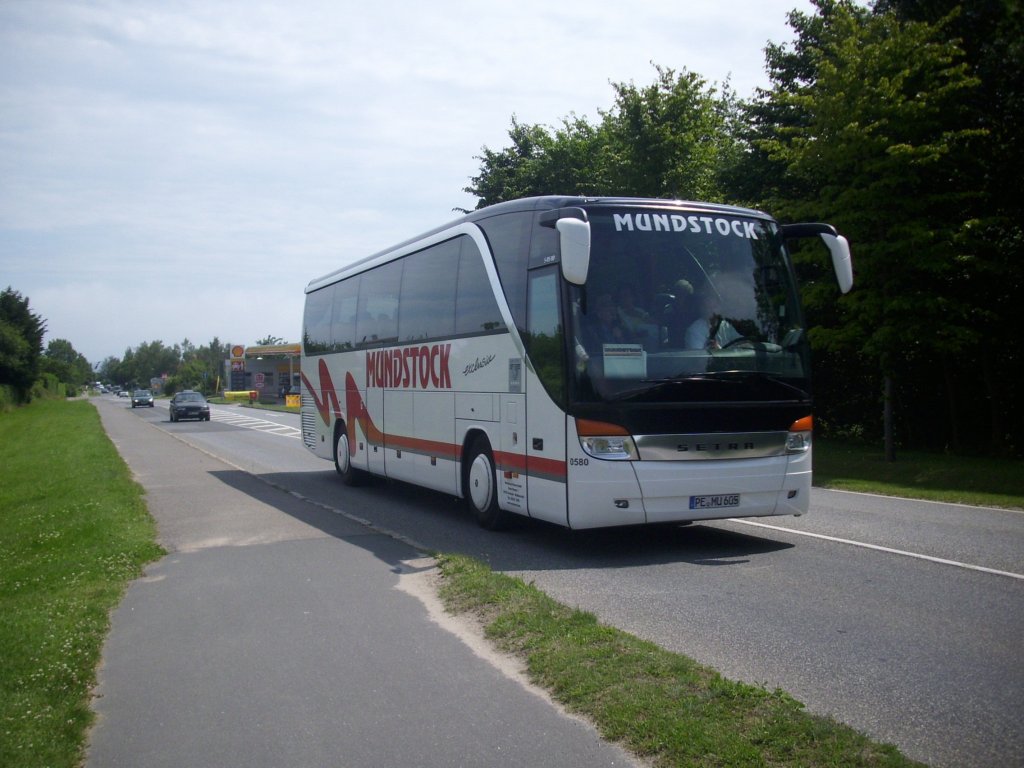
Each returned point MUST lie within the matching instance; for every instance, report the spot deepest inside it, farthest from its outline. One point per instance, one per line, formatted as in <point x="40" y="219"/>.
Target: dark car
<point x="142" y="397"/>
<point x="189" y="405"/>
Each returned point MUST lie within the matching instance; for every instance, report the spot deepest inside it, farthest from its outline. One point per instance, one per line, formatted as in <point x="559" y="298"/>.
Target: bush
<point x="8" y="398"/>
<point x="48" y="386"/>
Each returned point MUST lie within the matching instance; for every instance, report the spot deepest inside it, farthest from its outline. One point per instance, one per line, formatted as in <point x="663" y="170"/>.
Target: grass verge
<point x="74" y="531"/>
<point x="660" y="705"/>
<point x="938" y="477"/>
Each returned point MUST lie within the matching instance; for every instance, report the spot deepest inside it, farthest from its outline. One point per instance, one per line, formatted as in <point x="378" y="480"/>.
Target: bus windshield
<point x="685" y="306"/>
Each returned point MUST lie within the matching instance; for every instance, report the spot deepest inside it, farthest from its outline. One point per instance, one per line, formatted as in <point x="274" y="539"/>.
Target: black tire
<point x="480" y="486"/>
<point x="343" y="458"/>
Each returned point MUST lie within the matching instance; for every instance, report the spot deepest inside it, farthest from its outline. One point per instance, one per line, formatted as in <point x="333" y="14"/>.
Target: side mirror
<point x="839" y="247"/>
<point x="574" y="244"/>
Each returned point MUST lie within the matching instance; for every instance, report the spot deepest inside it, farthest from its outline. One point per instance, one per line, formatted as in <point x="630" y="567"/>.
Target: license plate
<point x="719" y="501"/>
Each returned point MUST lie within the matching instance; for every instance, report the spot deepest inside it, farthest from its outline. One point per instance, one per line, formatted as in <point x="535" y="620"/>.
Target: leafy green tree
<point x="108" y="370"/>
<point x="539" y="162"/>
<point x="186" y="366"/>
<point x="70" y="367"/>
<point x="151" y="359"/>
<point x="991" y="34"/>
<point x="677" y="137"/>
<point x="759" y="178"/>
<point x="200" y="368"/>
<point x="877" y="136"/>
<point x="21" y="344"/>
<point x="674" y="138"/>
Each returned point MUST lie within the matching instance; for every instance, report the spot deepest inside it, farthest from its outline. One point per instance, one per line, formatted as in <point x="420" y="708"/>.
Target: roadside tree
<point x="70" y="367"/>
<point x="21" y="345"/>
<point x="676" y="137"/>
<point x="875" y="136"/>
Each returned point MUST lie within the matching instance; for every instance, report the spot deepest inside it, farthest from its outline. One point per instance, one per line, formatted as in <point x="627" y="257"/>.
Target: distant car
<point x="189" y="405"/>
<point x="142" y="397"/>
<point x="122" y="393"/>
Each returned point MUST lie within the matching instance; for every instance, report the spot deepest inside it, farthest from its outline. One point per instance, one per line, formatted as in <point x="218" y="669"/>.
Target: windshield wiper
<point x="711" y="377"/>
<point x="738" y="376"/>
<point x="659" y="384"/>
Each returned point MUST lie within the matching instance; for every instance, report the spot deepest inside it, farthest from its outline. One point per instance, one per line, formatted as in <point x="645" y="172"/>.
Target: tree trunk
<point x="890" y="444"/>
<point x="994" y="395"/>
<point x="953" y="433"/>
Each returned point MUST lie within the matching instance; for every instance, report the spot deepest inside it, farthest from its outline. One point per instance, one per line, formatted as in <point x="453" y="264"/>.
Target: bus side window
<point x="376" y="320"/>
<point x="428" y="293"/>
<point x="343" y="322"/>
<point x="508" y="236"/>
<point x="476" y="310"/>
<point x="316" y="323"/>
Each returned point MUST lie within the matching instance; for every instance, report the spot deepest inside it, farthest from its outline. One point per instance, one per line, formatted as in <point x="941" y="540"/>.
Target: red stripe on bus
<point x="550" y="468"/>
<point x="425" y="447"/>
<point x="510" y="462"/>
<point x="328" y="397"/>
<point x="357" y="413"/>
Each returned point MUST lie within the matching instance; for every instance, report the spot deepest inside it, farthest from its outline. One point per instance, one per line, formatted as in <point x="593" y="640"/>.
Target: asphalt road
<point x="278" y="633"/>
<point x="904" y="619"/>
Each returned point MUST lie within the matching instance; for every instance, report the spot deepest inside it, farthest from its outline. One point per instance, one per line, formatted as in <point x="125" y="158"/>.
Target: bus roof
<point x="544" y="203"/>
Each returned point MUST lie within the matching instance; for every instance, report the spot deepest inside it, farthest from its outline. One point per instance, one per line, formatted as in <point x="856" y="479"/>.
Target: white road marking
<point x="249" y="422"/>
<point x="890" y="497"/>
<point x="243" y="420"/>
<point x="878" y="548"/>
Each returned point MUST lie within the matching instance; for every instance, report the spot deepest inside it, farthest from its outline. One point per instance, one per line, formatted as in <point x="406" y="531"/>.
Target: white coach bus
<point x="585" y="361"/>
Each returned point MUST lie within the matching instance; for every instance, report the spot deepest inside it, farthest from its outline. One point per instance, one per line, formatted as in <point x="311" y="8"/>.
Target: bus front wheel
<point x="343" y="458"/>
<point x="480" y="486"/>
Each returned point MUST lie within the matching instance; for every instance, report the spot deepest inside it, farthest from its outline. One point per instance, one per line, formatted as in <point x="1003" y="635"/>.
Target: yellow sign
<point x="274" y="349"/>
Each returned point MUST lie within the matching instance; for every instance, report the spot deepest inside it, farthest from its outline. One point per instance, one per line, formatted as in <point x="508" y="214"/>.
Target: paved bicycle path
<point x="277" y="633"/>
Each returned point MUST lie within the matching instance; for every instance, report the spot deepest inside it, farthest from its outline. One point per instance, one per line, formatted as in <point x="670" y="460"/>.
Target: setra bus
<point x="584" y="361"/>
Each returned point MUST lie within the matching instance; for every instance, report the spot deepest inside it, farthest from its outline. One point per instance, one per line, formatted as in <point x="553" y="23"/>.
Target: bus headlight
<point x="605" y="441"/>
<point x="799" y="438"/>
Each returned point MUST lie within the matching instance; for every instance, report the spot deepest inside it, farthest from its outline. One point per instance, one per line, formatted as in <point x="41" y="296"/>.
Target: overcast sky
<point x="182" y="168"/>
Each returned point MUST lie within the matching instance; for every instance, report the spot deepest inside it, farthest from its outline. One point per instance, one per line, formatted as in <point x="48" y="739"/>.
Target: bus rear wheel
<point x="343" y="458"/>
<point x="480" y="486"/>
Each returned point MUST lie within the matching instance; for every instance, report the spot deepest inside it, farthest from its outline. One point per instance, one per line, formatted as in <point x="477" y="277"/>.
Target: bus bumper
<point x="711" y="490"/>
<point x="629" y="493"/>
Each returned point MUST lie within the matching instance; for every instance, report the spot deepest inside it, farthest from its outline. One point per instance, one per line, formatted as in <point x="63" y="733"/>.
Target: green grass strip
<point x="74" y="530"/>
<point x="657" y="704"/>
<point x="977" y="480"/>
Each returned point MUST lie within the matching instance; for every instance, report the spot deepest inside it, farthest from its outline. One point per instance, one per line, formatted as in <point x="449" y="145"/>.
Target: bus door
<point x="545" y="419"/>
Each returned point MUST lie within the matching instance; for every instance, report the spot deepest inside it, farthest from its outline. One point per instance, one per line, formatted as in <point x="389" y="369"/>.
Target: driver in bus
<point x="710" y="330"/>
<point x="604" y="326"/>
<point x="635" y="320"/>
<point x="599" y="326"/>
